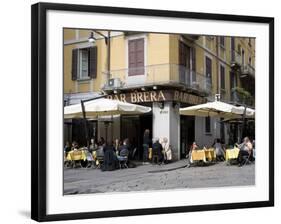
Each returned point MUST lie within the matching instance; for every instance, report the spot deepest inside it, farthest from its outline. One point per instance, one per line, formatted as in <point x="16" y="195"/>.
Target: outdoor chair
<point x="66" y="162"/>
<point x="100" y="160"/>
<point x="155" y="156"/>
<point x="123" y="161"/>
<point x="247" y="159"/>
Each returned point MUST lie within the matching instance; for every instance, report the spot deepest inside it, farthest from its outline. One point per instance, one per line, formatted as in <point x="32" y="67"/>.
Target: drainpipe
<point x="108" y="55"/>
<point x="218" y="67"/>
<point x="218" y="80"/>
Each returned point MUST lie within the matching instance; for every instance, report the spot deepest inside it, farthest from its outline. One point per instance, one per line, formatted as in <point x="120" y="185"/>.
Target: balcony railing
<point x="238" y="98"/>
<point x="161" y="74"/>
<point x="248" y="70"/>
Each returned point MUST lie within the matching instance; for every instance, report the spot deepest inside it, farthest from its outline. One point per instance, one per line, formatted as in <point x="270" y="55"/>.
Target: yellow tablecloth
<point x="210" y="154"/>
<point x="76" y="155"/>
<point x="197" y="155"/>
<point x="231" y="154"/>
<point x="203" y="154"/>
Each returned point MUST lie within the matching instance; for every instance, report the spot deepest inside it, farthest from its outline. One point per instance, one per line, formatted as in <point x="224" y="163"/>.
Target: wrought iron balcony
<point x="158" y="75"/>
<point x="238" y="98"/>
<point x="248" y="70"/>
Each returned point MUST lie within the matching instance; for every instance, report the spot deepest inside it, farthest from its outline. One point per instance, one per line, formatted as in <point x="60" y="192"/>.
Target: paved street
<point x="155" y="177"/>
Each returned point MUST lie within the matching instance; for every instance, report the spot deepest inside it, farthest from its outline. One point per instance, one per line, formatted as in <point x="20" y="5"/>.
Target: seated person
<point x="124" y="150"/>
<point x="100" y="151"/>
<point x="219" y="149"/>
<point x="116" y="145"/>
<point x="74" y="146"/>
<point x="246" y="149"/>
<point x="157" y="150"/>
<point x="67" y="148"/>
<point x="93" y="146"/>
<point x="194" y="146"/>
<point x="101" y="142"/>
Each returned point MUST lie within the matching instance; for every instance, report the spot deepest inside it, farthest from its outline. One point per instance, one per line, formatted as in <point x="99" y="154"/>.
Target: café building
<point x="163" y="71"/>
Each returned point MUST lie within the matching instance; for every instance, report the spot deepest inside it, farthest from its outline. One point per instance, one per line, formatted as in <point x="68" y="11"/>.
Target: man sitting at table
<point x="246" y="149"/>
<point x="157" y="150"/>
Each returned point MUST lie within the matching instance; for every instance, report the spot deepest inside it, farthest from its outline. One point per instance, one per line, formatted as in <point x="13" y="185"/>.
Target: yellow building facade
<point x="164" y="71"/>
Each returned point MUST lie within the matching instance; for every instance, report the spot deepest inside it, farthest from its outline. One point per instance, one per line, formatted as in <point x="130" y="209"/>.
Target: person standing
<point x="146" y="143"/>
<point x="167" y="150"/>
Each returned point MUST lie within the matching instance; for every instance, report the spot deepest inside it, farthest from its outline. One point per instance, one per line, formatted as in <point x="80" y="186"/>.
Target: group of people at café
<point x="106" y="156"/>
<point x="246" y="150"/>
<point x="159" y="148"/>
<point x="109" y="155"/>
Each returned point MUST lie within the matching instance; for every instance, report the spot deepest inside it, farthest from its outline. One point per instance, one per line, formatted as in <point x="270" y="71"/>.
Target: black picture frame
<point x="38" y="110"/>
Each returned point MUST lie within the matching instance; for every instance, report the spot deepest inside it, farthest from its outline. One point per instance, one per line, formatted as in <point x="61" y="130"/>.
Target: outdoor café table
<point x="75" y="155"/>
<point x="231" y="154"/>
<point x="197" y="155"/>
<point x="210" y="154"/>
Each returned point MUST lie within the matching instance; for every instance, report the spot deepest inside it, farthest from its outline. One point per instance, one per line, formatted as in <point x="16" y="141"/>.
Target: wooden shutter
<point x="222" y="77"/>
<point x="209" y="68"/>
<point x="136" y="57"/>
<point x="140" y="56"/>
<point x="232" y="49"/>
<point x="132" y="62"/>
<point x="182" y="54"/>
<point x="74" y="72"/>
<point x="93" y="61"/>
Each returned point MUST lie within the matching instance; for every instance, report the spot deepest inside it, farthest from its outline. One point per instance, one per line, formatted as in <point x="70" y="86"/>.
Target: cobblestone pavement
<point x="155" y="177"/>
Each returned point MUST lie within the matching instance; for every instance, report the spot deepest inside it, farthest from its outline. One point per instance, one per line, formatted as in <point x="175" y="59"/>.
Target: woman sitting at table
<point x="67" y="148"/>
<point x="194" y="146"/>
<point x="74" y="146"/>
<point x="116" y="145"/>
<point x="93" y="146"/>
<point x="91" y="154"/>
<point x="219" y="150"/>
<point x="246" y="149"/>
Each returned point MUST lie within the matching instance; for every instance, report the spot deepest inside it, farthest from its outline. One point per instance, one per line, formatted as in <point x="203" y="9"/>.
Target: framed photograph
<point x="139" y="111"/>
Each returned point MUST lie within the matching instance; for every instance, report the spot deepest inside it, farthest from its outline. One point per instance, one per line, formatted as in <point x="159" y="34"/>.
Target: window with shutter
<point x="83" y="63"/>
<point x="208" y="70"/>
<point x="222" y="76"/>
<point x="207" y="125"/>
<point x="193" y="64"/>
<point x="222" y="41"/>
<point x="74" y="64"/>
<point x="136" y="57"/>
<point x="93" y="61"/>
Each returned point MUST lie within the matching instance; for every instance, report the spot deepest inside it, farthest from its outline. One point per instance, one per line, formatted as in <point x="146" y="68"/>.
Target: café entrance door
<point x="187" y="134"/>
<point x="132" y="127"/>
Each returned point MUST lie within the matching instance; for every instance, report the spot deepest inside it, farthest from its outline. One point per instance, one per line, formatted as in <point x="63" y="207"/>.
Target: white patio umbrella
<point x="250" y="113"/>
<point x="103" y="107"/>
<point x="212" y="109"/>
